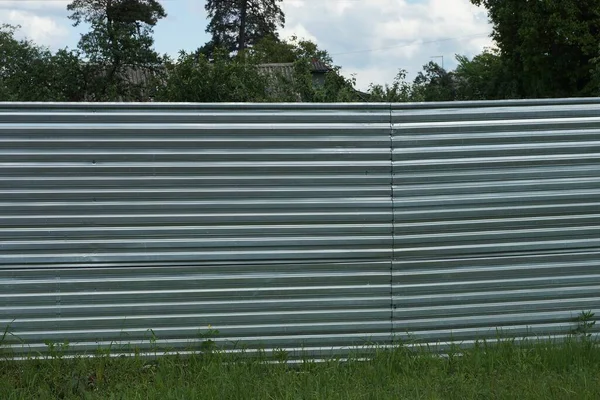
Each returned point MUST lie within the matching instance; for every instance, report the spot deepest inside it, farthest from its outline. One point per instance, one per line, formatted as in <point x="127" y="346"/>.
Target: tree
<point x="239" y="24"/>
<point x="483" y="78"/>
<point x="337" y="89"/>
<point x="193" y="78"/>
<point x="272" y="50"/>
<point x="399" y="91"/>
<point x="302" y="87"/>
<point x="33" y="73"/>
<point x="434" y="83"/>
<point x="21" y="65"/>
<point x="119" y="41"/>
<point x="547" y="47"/>
<point x="595" y="74"/>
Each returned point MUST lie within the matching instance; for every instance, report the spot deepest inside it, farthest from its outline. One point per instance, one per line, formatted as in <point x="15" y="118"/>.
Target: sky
<point x="370" y="39"/>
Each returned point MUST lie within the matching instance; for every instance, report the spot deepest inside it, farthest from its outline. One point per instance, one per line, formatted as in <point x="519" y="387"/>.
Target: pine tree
<point x="120" y="40"/>
<point x="239" y="24"/>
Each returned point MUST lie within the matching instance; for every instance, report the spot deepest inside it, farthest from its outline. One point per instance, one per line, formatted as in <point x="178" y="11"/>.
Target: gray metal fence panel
<point x="300" y="227"/>
<point x="271" y="224"/>
<point x="496" y="218"/>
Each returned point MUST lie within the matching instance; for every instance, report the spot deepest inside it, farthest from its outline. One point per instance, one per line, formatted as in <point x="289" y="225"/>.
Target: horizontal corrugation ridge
<point x="271" y="224"/>
<point x="276" y="224"/>
<point x="496" y="226"/>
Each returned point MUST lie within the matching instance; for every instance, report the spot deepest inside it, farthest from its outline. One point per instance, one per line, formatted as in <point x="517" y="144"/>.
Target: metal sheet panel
<point x="272" y="224"/>
<point x="496" y="219"/>
<point x="300" y="227"/>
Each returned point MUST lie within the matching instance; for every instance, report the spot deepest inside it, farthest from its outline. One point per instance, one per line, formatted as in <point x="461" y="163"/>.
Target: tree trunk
<point x="242" y="36"/>
<point x="115" y="55"/>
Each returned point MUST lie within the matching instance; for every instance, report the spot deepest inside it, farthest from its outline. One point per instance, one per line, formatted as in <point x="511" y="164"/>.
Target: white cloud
<point x="338" y="7"/>
<point x="37" y="5"/>
<point x="374" y="39"/>
<point x="298" y="31"/>
<point x="42" y="30"/>
<point x="42" y="21"/>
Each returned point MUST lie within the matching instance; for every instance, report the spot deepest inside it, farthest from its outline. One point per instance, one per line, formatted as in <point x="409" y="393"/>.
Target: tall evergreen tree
<point x="238" y="24"/>
<point x="119" y="41"/>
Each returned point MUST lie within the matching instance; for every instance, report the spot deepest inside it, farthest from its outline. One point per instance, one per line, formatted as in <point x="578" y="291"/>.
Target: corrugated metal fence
<point x="299" y="227"/>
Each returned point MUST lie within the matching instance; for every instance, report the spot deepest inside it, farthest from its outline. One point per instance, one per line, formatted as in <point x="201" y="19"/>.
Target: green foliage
<point x="337" y="89"/>
<point x="118" y="46"/>
<point x="399" y="91"/>
<point x="547" y="47"/>
<point x="193" y="78"/>
<point x="208" y="344"/>
<point x="483" y="78"/>
<point x="304" y="85"/>
<point x="68" y="78"/>
<point x="116" y="61"/>
<point x="477" y="79"/>
<point x="585" y="323"/>
<point x="230" y="19"/>
<point x="271" y="50"/>
<point x="434" y="83"/>
<point x="196" y="78"/>
<point x="32" y="73"/>
<point x="595" y="75"/>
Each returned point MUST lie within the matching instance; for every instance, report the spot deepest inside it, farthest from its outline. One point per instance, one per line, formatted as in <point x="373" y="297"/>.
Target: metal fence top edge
<point x="496" y="103"/>
<point x="33" y="106"/>
<point x="8" y="106"/>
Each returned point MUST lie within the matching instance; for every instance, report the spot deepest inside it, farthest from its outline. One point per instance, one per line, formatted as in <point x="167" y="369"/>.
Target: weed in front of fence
<point x="503" y="369"/>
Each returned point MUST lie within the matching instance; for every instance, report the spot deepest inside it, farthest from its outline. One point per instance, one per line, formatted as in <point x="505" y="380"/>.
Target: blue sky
<point x="370" y="39"/>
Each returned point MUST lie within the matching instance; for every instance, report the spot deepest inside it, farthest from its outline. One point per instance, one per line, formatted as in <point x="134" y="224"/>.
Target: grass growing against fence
<point x="508" y="370"/>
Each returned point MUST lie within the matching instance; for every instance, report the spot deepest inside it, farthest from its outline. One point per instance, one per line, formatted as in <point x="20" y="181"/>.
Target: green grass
<point x="509" y="370"/>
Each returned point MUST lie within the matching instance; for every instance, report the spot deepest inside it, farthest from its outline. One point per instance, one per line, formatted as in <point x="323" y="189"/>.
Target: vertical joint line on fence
<point x="393" y="221"/>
